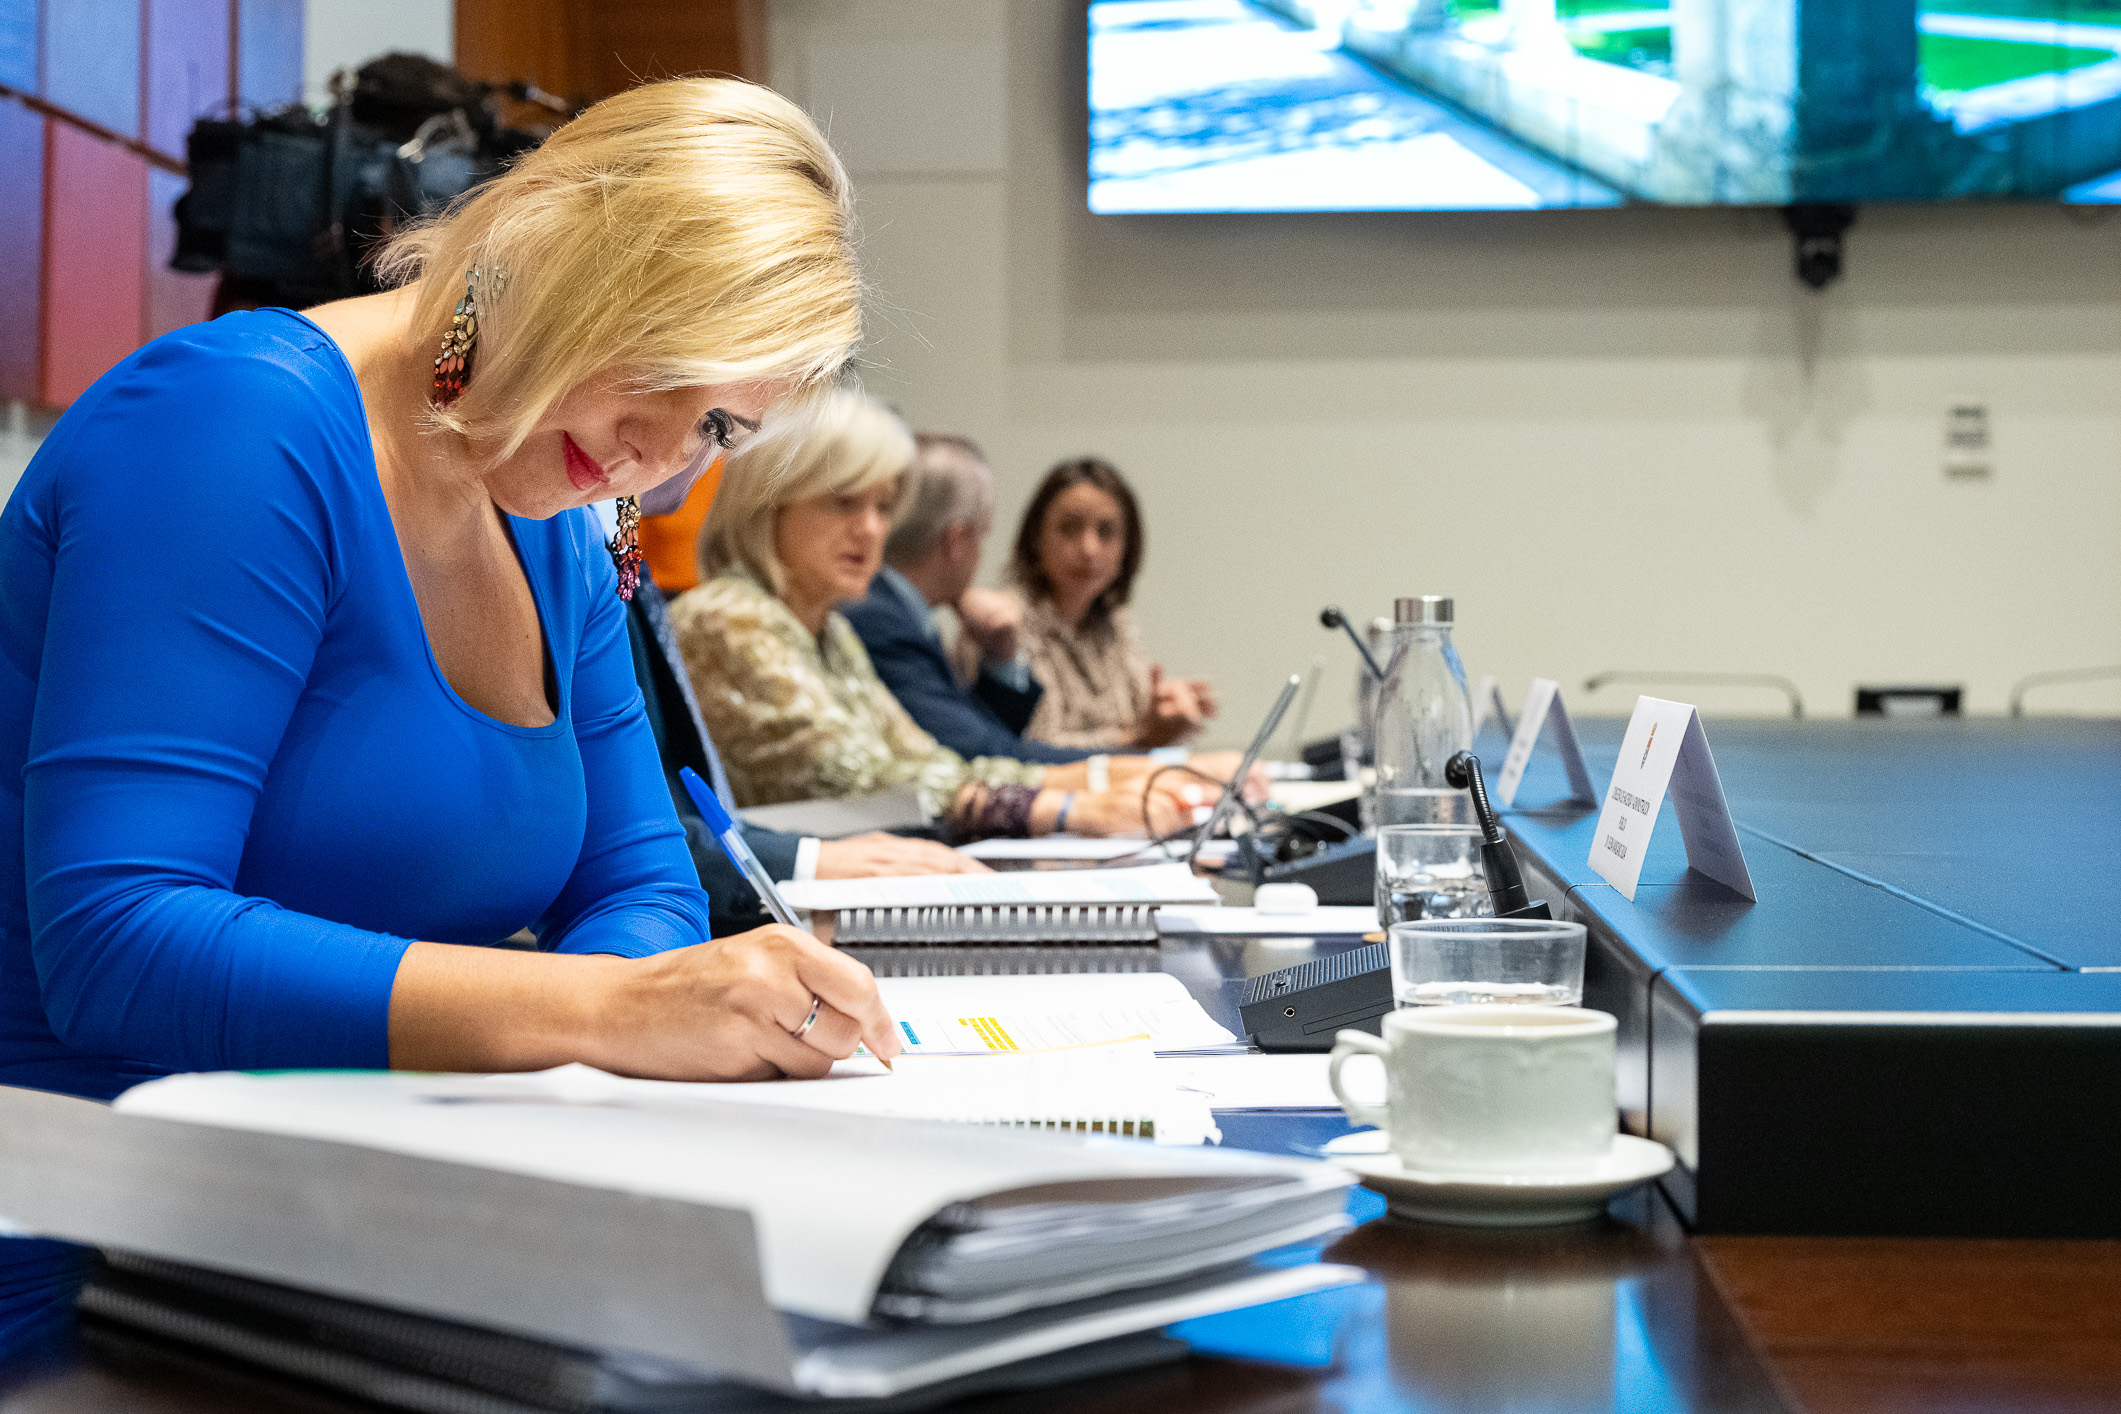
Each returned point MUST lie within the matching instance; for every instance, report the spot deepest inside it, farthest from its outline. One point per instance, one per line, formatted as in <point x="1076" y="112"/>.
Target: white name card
<point x="1488" y="706"/>
<point x="1543" y="707"/>
<point x="1666" y="750"/>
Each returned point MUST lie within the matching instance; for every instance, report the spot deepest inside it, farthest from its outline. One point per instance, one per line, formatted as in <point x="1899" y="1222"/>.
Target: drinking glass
<point x="1445" y="961"/>
<point x="1430" y="871"/>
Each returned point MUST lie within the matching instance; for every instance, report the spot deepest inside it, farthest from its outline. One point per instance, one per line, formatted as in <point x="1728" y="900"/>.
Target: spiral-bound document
<point x="1000" y="923"/>
<point x="1028" y="906"/>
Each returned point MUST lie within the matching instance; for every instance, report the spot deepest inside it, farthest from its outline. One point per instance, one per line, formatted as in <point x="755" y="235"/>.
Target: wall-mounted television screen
<point x="1399" y="105"/>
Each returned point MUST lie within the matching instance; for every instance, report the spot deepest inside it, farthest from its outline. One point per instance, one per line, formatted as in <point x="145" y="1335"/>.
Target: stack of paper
<point x="1324" y="921"/>
<point x="607" y="1215"/>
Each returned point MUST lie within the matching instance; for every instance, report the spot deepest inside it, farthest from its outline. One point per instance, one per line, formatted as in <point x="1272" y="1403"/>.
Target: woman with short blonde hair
<point x="682" y="235"/>
<point x="785" y="686"/>
<point x="841" y="443"/>
<point x="369" y="697"/>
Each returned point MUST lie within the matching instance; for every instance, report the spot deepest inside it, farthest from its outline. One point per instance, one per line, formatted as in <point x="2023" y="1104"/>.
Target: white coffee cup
<point x="1490" y="1089"/>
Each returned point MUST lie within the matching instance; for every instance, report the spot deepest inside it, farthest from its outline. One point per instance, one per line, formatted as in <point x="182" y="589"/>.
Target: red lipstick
<point x="582" y="469"/>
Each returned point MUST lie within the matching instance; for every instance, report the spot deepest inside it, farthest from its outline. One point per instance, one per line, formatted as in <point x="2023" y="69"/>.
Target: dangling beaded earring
<point x="453" y="371"/>
<point x="625" y="547"/>
<point x="453" y="363"/>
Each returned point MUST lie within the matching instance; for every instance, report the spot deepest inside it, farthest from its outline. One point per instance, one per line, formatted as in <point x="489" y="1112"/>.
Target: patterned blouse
<point x="797" y="717"/>
<point x="1096" y="679"/>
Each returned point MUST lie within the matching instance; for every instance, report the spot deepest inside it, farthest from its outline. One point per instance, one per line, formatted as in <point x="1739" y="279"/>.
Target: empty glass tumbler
<point x="1445" y="961"/>
<point x="1430" y="871"/>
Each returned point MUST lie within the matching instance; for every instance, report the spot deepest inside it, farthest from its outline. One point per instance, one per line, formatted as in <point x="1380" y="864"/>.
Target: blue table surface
<point x="2010" y="828"/>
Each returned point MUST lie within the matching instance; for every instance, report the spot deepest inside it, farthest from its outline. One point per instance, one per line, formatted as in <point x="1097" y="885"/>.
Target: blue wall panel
<point x="18" y="43"/>
<point x="92" y="60"/>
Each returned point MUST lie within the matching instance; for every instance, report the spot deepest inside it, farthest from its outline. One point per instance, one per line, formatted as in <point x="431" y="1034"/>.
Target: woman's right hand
<point x="720" y="1010"/>
<point x="728" y="1010"/>
<point x="1175" y="711"/>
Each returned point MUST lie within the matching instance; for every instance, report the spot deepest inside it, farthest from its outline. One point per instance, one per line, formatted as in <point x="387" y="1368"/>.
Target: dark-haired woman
<point x="1077" y="552"/>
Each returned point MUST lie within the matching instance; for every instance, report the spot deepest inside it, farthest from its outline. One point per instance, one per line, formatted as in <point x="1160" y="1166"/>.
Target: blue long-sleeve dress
<point x="234" y="784"/>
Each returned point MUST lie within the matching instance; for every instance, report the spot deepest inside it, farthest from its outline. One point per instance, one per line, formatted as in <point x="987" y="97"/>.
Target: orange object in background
<point x="670" y="544"/>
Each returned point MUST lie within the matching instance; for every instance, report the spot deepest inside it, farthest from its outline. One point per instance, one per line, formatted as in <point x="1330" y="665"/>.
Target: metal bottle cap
<point x="1428" y="609"/>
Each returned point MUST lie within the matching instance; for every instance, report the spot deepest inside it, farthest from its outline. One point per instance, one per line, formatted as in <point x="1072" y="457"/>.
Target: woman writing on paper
<point x="369" y="697"/>
<point x="784" y="685"/>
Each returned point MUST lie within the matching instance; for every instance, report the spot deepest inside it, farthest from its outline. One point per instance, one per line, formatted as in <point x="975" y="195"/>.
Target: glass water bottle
<point x="1423" y="718"/>
<point x="1358" y="744"/>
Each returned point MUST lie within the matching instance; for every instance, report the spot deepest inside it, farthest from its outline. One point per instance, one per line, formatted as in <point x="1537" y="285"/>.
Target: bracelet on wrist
<point x="1060" y="821"/>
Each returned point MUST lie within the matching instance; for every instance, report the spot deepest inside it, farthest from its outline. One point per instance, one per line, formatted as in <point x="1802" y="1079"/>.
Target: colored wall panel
<point x="18" y="43"/>
<point x="21" y="249"/>
<point x="95" y="259"/>
<point x="174" y="298"/>
<point x="92" y="60"/>
<point x="269" y="52"/>
<point x="187" y="68"/>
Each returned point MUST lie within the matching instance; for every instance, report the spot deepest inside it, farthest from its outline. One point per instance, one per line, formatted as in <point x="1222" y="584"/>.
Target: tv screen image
<point x="1399" y="105"/>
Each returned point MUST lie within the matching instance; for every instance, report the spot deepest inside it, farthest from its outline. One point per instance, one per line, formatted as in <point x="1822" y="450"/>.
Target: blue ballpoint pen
<point x="731" y="839"/>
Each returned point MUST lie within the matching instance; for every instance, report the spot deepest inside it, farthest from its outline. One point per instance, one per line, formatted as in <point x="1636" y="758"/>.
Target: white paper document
<point x="1153" y="883"/>
<point x="1667" y="750"/>
<point x="1325" y="920"/>
<point x="1116" y="1089"/>
<point x="1058" y="847"/>
<point x="948" y="1016"/>
<point x="1278" y="1082"/>
<point x="1298" y="796"/>
<point x="1544" y="709"/>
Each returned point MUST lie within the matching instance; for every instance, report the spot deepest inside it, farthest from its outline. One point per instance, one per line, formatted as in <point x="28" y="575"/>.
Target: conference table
<point x="1633" y="1312"/>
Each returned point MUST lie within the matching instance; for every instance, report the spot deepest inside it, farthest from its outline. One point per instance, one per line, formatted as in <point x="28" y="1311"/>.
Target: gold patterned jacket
<point x="803" y="718"/>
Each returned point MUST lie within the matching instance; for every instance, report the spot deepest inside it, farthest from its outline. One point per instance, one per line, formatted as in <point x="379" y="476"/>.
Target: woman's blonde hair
<point x="691" y="232"/>
<point x="836" y="443"/>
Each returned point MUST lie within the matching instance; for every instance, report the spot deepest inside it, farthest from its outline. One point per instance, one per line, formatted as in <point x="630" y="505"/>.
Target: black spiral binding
<point x="1051" y="924"/>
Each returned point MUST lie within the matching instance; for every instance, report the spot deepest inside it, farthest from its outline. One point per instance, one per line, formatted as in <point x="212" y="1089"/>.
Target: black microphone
<point x="1332" y="617"/>
<point x="1505" y="884"/>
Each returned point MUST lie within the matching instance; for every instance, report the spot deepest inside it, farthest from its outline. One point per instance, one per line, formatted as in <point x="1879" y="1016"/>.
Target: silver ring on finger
<point x="817" y="1004"/>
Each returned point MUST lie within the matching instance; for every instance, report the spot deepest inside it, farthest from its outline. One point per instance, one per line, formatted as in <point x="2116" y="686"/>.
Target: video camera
<point x="288" y="206"/>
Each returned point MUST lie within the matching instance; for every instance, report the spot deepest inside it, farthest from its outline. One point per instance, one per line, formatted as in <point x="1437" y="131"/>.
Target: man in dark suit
<point x="930" y="561"/>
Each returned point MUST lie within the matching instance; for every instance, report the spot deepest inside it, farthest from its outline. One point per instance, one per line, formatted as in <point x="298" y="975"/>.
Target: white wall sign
<point x="1666" y="749"/>
<point x="1543" y="707"/>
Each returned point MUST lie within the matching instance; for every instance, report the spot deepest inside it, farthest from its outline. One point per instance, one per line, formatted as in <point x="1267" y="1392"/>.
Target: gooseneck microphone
<point x="1505" y="884"/>
<point x="1332" y="617"/>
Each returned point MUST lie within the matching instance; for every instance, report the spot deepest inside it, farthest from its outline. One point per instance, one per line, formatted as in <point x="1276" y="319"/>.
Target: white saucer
<point x="1498" y="1199"/>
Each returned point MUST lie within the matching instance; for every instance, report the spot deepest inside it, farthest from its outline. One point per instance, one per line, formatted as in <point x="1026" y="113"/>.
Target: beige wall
<point x="1624" y="439"/>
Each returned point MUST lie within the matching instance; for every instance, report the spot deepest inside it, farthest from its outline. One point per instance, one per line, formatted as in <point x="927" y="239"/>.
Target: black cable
<point x="1149" y="787"/>
<point x="1319" y="817"/>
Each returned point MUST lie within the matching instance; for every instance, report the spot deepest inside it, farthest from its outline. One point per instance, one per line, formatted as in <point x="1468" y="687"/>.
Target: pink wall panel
<point x="95" y="259"/>
<point x="174" y="298"/>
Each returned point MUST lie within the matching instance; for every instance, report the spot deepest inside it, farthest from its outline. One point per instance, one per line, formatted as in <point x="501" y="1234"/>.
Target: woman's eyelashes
<point x="719" y="428"/>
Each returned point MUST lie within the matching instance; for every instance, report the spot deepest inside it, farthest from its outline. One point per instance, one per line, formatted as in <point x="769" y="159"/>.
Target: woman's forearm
<point x="727" y="1009"/>
<point x="495" y="1009"/>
